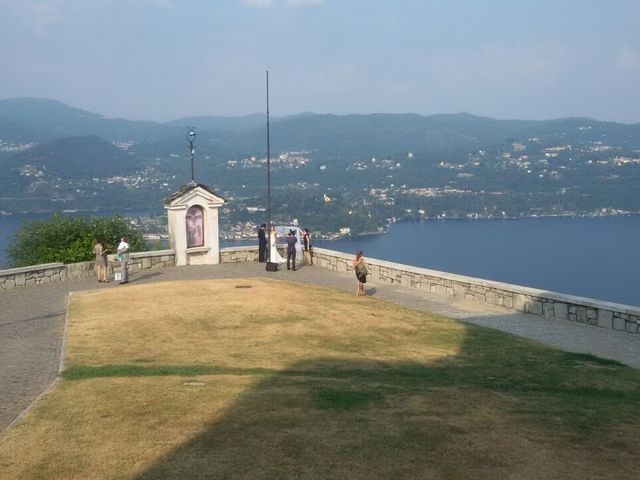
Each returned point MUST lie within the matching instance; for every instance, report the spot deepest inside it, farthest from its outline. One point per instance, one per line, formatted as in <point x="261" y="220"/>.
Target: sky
<point x="167" y="59"/>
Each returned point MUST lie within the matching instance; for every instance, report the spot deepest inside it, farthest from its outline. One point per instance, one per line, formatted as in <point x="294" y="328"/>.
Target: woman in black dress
<point x="306" y="239"/>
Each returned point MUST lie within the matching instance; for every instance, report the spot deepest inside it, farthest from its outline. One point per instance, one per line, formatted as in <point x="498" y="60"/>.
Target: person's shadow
<point x="142" y="278"/>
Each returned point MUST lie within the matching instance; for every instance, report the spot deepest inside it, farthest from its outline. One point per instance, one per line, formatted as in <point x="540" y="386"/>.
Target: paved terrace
<point x="32" y="323"/>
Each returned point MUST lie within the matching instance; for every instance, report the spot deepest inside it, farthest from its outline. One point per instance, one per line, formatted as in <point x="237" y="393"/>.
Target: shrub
<point x="69" y="240"/>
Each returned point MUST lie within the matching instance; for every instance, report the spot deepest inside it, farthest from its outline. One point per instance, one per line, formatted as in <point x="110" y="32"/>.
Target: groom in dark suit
<point x="291" y="249"/>
<point x="262" y="244"/>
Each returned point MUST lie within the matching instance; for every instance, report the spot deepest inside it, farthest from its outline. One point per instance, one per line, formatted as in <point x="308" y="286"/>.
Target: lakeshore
<point x="594" y="257"/>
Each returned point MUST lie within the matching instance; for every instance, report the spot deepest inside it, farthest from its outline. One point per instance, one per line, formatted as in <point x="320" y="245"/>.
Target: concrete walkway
<point x="32" y="322"/>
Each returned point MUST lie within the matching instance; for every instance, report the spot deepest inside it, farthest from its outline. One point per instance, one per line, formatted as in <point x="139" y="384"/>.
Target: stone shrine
<point x="193" y="224"/>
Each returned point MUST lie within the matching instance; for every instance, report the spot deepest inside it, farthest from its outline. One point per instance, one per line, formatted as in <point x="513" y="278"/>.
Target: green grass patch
<point x="554" y="382"/>
<point x="338" y="399"/>
<point x="84" y="372"/>
<point x="586" y="357"/>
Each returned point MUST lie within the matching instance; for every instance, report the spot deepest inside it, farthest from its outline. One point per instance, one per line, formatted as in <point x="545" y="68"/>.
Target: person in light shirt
<point x="123" y="252"/>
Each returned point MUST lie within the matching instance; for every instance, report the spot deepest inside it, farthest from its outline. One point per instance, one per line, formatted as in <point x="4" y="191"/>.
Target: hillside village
<point x="456" y="166"/>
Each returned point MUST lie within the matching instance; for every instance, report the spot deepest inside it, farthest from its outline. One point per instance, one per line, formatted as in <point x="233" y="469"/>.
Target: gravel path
<point x="32" y="322"/>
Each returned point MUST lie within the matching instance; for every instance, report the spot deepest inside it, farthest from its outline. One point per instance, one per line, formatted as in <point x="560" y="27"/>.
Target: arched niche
<point x="194" y="221"/>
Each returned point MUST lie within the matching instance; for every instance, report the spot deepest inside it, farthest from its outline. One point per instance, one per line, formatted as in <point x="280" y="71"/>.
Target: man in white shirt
<point x="123" y="251"/>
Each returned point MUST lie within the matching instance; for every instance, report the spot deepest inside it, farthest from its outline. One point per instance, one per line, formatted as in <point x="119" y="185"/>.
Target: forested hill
<point x="76" y="157"/>
<point x="38" y="120"/>
<point x="24" y="120"/>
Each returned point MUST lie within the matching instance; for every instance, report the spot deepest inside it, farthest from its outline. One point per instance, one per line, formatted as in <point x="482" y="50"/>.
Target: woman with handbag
<point x="101" y="260"/>
<point x="360" y="268"/>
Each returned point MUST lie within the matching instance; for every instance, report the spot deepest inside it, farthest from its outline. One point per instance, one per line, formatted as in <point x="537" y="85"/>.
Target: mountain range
<point x="51" y="153"/>
<point x="41" y="120"/>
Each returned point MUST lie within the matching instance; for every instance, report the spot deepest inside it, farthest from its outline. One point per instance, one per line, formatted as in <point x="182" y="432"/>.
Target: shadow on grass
<point x="502" y="407"/>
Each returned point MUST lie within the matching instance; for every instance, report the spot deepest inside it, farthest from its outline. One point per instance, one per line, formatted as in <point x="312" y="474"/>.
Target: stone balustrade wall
<point x="53" y="272"/>
<point x="522" y="299"/>
<point x="244" y="254"/>
<point x="238" y="254"/>
<point x="36" y="275"/>
<point x="144" y="260"/>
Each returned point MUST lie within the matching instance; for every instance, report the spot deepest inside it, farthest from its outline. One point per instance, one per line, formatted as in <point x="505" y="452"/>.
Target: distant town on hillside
<point x="337" y="175"/>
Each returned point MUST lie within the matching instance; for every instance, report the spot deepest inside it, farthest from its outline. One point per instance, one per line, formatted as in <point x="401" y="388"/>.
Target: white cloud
<point x="258" y="3"/>
<point x="302" y="3"/>
<point x="41" y="16"/>
<point x="161" y="3"/>
<point x="37" y="15"/>
<point x="495" y="63"/>
<point x="400" y="87"/>
<point x="280" y="3"/>
<point x="627" y="57"/>
<point x="329" y="80"/>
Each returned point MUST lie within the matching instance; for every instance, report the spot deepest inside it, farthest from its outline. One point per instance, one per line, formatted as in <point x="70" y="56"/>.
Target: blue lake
<point x="590" y="257"/>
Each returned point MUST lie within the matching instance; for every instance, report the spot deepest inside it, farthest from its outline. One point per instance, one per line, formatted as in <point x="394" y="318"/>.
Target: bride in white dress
<point x="275" y="256"/>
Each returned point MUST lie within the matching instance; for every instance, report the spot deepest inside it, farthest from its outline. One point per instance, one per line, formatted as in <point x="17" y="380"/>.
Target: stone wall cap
<point x="198" y="249"/>
<point x="152" y="253"/>
<point x="246" y="248"/>
<point x="146" y="254"/>
<point x="31" y="268"/>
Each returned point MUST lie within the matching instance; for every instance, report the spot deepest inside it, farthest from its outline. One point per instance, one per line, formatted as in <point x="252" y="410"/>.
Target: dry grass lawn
<point x="203" y="379"/>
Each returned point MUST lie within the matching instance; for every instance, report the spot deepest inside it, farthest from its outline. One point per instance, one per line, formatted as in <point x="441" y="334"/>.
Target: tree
<point x="69" y="240"/>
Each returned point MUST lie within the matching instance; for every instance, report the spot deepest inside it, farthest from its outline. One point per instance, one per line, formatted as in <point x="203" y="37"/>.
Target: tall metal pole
<point x="193" y="175"/>
<point x="268" y="176"/>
